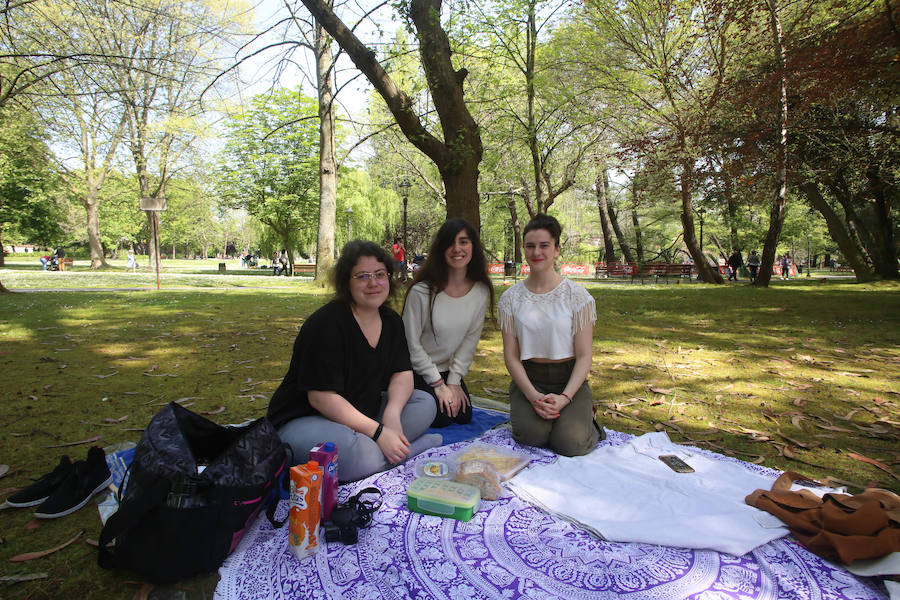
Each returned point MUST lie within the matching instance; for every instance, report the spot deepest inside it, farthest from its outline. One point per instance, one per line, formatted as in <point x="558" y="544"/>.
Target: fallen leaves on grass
<point x="659" y="390"/>
<point x="107" y="375"/>
<point x="23" y="578"/>
<point x="79" y="442"/>
<point x="32" y="524"/>
<point x="41" y="553"/>
<point x="4" y="469"/>
<point x="214" y="411"/>
<point x="872" y="462"/>
<point x="798" y="443"/>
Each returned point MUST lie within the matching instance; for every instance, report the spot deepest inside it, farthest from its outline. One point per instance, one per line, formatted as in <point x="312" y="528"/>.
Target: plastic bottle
<point x="305" y="516"/>
<point x="327" y="456"/>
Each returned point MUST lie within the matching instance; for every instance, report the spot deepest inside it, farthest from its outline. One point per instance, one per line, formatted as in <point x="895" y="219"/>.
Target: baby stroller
<point x="53" y="264"/>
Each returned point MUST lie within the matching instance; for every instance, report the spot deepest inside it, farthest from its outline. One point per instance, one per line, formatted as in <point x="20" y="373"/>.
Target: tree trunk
<point x="776" y="213"/>
<point x="152" y="247"/>
<point x="457" y="157"/>
<point x="838" y="232"/>
<point x="620" y="236"/>
<point x="600" y="185"/>
<point x="704" y="271"/>
<point x="731" y="207"/>
<point x="516" y="230"/>
<point x="638" y="237"/>
<point x="91" y="206"/>
<point x="2" y="254"/>
<point x="883" y="232"/>
<point x="635" y="223"/>
<point x="327" y="162"/>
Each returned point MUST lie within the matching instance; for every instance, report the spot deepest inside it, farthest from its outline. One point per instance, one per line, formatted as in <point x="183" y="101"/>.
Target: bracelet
<point x="377" y="433"/>
<point x="437" y="384"/>
<point x="566" y="396"/>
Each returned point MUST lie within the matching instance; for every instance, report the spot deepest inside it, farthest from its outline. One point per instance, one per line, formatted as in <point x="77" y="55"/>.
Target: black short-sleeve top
<point x="331" y="354"/>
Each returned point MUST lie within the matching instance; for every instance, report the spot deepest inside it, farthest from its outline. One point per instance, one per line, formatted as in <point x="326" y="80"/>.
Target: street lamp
<point x="404" y="189"/>
<point x="349" y="212"/>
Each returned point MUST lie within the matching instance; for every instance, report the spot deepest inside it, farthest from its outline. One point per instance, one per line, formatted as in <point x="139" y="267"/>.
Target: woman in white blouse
<point x="443" y="315"/>
<point x="547" y="323"/>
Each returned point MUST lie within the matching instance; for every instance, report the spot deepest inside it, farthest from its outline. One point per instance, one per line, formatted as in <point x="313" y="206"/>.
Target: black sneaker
<point x="86" y="479"/>
<point x="41" y="489"/>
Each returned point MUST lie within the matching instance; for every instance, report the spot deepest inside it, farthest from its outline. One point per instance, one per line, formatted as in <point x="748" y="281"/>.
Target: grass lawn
<point x="800" y="376"/>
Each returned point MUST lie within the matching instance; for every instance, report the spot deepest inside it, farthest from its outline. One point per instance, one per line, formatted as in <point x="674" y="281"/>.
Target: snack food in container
<point x="505" y="461"/>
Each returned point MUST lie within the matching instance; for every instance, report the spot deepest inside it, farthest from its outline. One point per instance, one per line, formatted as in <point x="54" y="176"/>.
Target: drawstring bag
<point x="837" y="527"/>
<point x="194" y="487"/>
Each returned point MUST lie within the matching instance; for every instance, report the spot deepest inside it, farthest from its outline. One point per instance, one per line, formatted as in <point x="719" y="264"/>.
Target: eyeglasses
<point x="365" y="276"/>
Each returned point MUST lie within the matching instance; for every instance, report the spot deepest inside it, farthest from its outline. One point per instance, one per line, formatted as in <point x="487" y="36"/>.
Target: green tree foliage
<point x="269" y="165"/>
<point x="28" y="205"/>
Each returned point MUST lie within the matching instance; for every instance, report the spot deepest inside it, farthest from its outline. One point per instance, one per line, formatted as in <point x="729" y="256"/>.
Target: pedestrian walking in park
<point x="398" y="253"/>
<point x="785" y="267"/>
<point x="753" y="266"/>
<point x="547" y="324"/>
<point x="132" y="263"/>
<point x="735" y="261"/>
<point x="350" y="380"/>
<point x="443" y="315"/>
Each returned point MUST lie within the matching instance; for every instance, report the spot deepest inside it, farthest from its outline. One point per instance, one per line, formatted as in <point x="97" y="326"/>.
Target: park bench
<point x="65" y="263"/>
<point x="304" y="269"/>
<point x="665" y="270"/>
<point x="843" y="269"/>
<point x="602" y="270"/>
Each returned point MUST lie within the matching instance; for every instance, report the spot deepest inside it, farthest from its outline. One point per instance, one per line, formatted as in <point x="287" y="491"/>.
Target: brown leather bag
<point x="836" y="526"/>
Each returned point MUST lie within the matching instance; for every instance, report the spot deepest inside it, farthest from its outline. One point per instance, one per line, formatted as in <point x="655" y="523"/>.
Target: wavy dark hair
<point x="544" y="221"/>
<point x="435" y="272"/>
<point x="350" y="255"/>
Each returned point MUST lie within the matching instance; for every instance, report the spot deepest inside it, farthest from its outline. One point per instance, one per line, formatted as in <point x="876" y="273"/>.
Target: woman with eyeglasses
<point x="444" y="314"/>
<point x="547" y="324"/>
<point x="350" y="380"/>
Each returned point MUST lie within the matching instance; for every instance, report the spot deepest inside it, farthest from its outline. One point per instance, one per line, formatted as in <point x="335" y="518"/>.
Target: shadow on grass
<point x="707" y="364"/>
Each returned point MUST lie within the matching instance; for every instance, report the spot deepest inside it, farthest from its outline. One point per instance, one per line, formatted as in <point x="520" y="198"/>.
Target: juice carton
<point x="327" y="456"/>
<point x="305" y="515"/>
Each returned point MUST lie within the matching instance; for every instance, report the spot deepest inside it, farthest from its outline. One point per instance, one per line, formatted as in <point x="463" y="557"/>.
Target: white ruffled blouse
<point x="545" y="324"/>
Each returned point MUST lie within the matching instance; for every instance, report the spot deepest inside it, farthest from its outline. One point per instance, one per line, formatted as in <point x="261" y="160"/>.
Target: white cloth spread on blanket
<point x="626" y="494"/>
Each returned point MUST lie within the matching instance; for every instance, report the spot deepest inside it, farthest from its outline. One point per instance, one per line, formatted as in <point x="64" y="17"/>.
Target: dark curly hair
<point x="543" y="221"/>
<point x="350" y="255"/>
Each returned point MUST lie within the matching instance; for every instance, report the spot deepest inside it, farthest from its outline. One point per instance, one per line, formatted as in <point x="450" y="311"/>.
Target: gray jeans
<point x="573" y="433"/>
<point x="358" y="455"/>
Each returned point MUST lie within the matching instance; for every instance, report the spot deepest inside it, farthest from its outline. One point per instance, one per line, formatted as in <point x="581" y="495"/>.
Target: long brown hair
<point x="436" y="272"/>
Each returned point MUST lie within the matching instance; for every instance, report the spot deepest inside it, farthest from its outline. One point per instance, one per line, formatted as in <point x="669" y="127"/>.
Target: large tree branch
<point x="400" y="104"/>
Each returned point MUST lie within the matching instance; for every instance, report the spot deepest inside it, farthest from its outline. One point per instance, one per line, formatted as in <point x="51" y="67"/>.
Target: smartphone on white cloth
<point x="676" y="464"/>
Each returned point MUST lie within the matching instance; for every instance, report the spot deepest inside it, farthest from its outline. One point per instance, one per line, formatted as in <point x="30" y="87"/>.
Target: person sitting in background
<point x="547" y="324"/>
<point x="443" y="316"/>
<point x="350" y="380"/>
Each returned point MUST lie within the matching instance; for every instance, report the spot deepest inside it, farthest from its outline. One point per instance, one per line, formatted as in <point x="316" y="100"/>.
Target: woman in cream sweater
<point x="443" y="316"/>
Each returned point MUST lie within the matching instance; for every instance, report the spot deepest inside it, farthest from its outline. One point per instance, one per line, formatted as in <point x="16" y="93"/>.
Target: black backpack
<point x="174" y="522"/>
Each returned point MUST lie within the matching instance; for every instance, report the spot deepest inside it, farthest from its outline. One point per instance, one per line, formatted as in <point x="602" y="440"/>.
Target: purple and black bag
<point x="193" y="489"/>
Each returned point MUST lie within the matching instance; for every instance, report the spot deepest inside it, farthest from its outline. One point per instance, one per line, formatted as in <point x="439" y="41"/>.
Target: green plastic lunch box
<point x="443" y="498"/>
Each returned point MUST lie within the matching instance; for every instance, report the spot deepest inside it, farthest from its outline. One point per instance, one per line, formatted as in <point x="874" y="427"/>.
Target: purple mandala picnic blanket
<point x="512" y="550"/>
